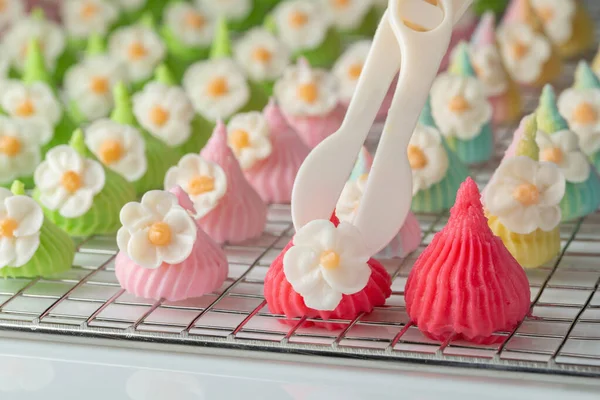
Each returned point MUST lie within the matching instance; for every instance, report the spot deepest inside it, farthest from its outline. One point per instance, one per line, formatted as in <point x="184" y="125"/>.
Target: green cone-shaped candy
<point x="54" y="253"/>
<point x="36" y="72"/>
<point x="182" y="54"/>
<point x="549" y="119"/>
<point x="102" y="217"/>
<point x="585" y="78"/>
<point x="160" y="157"/>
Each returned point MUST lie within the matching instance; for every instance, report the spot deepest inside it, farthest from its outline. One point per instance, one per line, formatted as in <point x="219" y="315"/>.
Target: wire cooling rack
<point x="561" y="336"/>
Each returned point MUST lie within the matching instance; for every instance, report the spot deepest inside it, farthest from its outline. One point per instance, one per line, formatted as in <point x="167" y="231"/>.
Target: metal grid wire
<point x="561" y="336"/>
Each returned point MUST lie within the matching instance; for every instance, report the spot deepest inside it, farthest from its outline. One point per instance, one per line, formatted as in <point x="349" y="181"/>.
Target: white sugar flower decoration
<point x="307" y="92"/>
<point x="68" y="182"/>
<point x="51" y="38"/>
<point x="21" y="219"/>
<point x="261" y="55"/>
<point x="217" y="88"/>
<point x="301" y="24"/>
<point x="139" y="48"/>
<point x="557" y="17"/>
<point x="581" y="108"/>
<point x="129" y="5"/>
<point x="347" y="14"/>
<point x="84" y="17"/>
<point x="248" y="137"/>
<point x="524" y="51"/>
<point x="189" y="24"/>
<point x="120" y="147"/>
<point x="204" y="181"/>
<point x="230" y="9"/>
<point x="490" y="70"/>
<point x="89" y="85"/>
<point x="459" y="106"/>
<point x="325" y="263"/>
<point x="562" y="149"/>
<point x="349" y="201"/>
<point x="525" y="195"/>
<point x="428" y="158"/>
<point x="164" y="111"/>
<point x="156" y="231"/>
<point x="20" y="149"/>
<point x="349" y="66"/>
<point x="36" y="103"/>
<point x="11" y="11"/>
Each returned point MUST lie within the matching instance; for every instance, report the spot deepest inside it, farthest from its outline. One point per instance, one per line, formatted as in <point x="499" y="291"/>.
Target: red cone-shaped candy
<point x="282" y="299"/>
<point x="466" y="284"/>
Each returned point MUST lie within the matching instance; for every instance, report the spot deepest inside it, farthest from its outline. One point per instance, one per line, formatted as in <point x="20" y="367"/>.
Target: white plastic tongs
<point x="420" y="31"/>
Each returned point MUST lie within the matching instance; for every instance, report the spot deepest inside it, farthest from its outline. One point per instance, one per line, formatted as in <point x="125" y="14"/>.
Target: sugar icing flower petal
<point x="25" y="249"/>
<point x="549" y="218"/>
<point x="82" y="18"/>
<point x="8" y="252"/>
<point x="303" y="268"/>
<point x="322" y="297"/>
<point x="160" y="202"/>
<point x="301" y="24"/>
<point x="77" y="204"/>
<point x="348" y="280"/>
<point x="141" y="251"/>
<point x="135" y="216"/>
<point x="318" y="233"/>
<point x="27" y="212"/>
<point x="261" y="55"/>
<point x="139" y="48"/>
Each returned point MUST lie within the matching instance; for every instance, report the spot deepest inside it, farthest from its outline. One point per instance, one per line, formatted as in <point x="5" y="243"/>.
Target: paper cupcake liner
<point x="54" y="255"/>
<point x="595" y="159"/>
<point x="477" y="150"/>
<point x="581" y="199"/>
<point x="531" y="250"/>
<point x="103" y="217"/>
<point x="508" y="106"/>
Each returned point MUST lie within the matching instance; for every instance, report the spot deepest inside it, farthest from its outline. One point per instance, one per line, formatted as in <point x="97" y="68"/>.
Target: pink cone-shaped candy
<point x="313" y="130"/>
<point x="282" y="299"/>
<point x="462" y="32"/>
<point x="517" y="136"/>
<point x="466" y="284"/>
<point x="405" y="242"/>
<point x="274" y="177"/>
<point x="204" y="271"/>
<point x="241" y="214"/>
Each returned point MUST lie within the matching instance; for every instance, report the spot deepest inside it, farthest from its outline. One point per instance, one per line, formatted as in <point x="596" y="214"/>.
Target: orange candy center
<point x="25" y="109"/>
<point x="99" y="85"/>
<point x="195" y="20"/>
<point x="585" y="114"/>
<point x="459" y="104"/>
<point x="329" y="259"/>
<point x="519" y="50"/>
<point x="527" y="194"/>
<point x="298" y="19"/>
<point x="10" y="146"/>
<point x="159" y="116"/>
<point x="159" y="234"/>
<point x="71" y="181"/>
<point x="553" y="154"/>
<point x="239" y="139"/>
<point x="340" y="3"/>
<point x="88" y="11"/>
<point x="110" y="151"/>
<point x="262" y="55"/>
<point x="308" y="92"/>
<point x="136" y="51"/>
<point x="354" y="71"/>
<point x="8" y="227"/>
<point x="217" y="87"/>
<point x="416" y="157"/>
<point x="201" y="184"/>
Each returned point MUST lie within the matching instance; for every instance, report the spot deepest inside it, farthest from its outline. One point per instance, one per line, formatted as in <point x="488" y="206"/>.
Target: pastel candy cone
<point x="466" y="258"/>
<point x="480" y="148"/>
<point x="282" y="299"/>
<point x="241" y="214"/>
<point x="203" y="272"/>
<point x="507" y="106"/>
<point x="54" y="254"/>
<point x="160" y="157"/>
<point x="538" y="247"/>
<point x="581" y="198"/>
<point x="405" y="242"/>
<point x="440" y="196"/>
<point x="102" y="218"/>
<point x="36" y="71"/>
<point x="273" y="178"/>
<point x="462" y="31"/>
<point x="521" y="12"/>
<point x="313" y="130"/>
